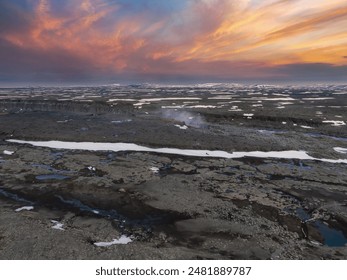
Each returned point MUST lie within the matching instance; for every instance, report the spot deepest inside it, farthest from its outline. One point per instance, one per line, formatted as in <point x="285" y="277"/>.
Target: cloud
<point x="312" y="72"/>
<point x="162" y="40"/>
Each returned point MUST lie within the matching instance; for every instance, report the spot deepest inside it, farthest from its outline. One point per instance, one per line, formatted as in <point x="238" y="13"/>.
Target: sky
<point x="123" y="41"/>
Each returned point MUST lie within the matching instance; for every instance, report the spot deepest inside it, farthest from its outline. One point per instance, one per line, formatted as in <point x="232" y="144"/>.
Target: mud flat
<point x="152" y="172"/>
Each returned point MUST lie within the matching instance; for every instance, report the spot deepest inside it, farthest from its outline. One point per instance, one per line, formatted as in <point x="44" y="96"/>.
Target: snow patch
<point x="57" y="225"/>
<point x="184" y="127"/>
<point x="155" y="170"/>
<point x="117" y="147"/>
<point x="122" y="240"/>
<point x="27" y="208"/>
<point x="340" y="150"/>
<point x="335" y="123"/>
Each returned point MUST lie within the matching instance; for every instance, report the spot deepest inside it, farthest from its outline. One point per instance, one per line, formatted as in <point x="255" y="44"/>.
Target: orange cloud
<point x="211" y="33"/>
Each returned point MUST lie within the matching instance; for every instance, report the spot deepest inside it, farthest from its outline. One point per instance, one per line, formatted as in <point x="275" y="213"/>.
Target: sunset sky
<point x="106" y="41"/>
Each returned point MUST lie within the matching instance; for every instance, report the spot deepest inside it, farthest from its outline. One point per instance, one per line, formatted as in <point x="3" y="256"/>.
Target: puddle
<point x="319" y="135"/>
<point x="50" y="168"/>
<point x="57" y="155"/>
<point x="332" y="237"/>
<point x="51" y="177"/>
<point x="43" y="166"/>
<point x="14" y="197"/>
<point x="147" y="220"/>
<point x="292" y="164"/>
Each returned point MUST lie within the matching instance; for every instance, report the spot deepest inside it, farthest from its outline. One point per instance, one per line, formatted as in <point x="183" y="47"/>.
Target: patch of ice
<point x="335" y="123"/>
<point x="340" y="150"/>
<point x="121" y="240"/>
<point x="307" y="127"/>
<point x="27" y="208"/>
<point x="8" y="153"/>
<point x="117" y="147"/>
<point x="184" y="127"/>
<point x="57" y="225"/>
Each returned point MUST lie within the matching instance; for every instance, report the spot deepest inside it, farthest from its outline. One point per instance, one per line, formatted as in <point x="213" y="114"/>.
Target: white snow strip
<point x="340" y="150"/>
<point x="184" y="127"/>
<point x="248" y="115"/>
<point x="139" y="104"/>
<point x="202" y="106"/>
<point x="335" y="123"/>
<point x="122" y="99"/>
<point x="27" y="208"/>
<point x="57" y="225"/>
<point x="117" y="147"/>
<point x="168" y="99"/>
<point x="307" y="127"/>
<point x="122" y="240"/>
<point x="270" y="99"/>
<point x="318" y="98"/>
<point x="9" y="153"/>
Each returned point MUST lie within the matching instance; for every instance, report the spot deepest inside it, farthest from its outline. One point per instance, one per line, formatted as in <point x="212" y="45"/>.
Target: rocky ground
<point x="174" y="206"/>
